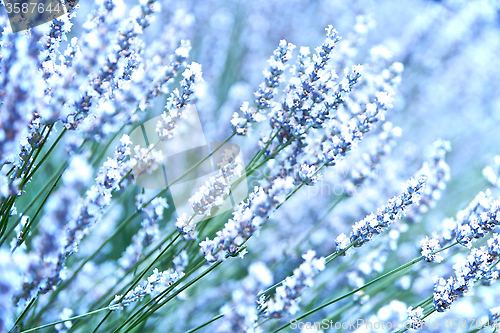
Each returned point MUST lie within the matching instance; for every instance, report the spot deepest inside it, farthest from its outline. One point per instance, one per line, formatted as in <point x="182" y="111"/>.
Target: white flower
<point x="429" y="246"/>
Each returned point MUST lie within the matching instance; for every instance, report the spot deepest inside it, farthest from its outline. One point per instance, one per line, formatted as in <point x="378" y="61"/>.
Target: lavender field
<point x="251" y="166"/>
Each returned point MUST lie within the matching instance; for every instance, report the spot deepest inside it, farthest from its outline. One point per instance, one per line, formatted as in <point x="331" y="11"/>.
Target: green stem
<point x="140" y="276"/>
<point x="335" y="300"/>
<point x="63" y="321"/>
<point x="205" y="324"/>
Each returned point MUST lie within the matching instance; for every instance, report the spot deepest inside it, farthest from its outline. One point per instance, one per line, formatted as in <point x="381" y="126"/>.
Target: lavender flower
<point x="146" y="235"/>
<point x="267" y="89"/>
<point x="47" y="245"/>
<point x="156" y="83"/>
<point x="479" y="223"/>
<point x="452" y="227"/>
<point x="476" y="266"/>
<point x="187" y="226"/>
<point x="109" y="84"/>
<point x="373" y="224"/>
<point x="99" y="196"/>
<point x="437" y="173"/>
<point x="86" y="215"/>
<point x="429" y="246"/>
<point x="20" y="93"/>
<point x="211" y="194"/>
<point x="247" y="219"/>
<point x="146" y="160"/>
<point x="415" y="317"/>
<point x="32" y="141"/>
<point x="308" y="100"/>
<point x="181" y="261"/>
<point x="157" y="282"/>
<point x="287" y="295"/>
<point x="125" y="59"/>
<point x="178" y="100"/>
<point x="308" y="174"/>
<point x="342" y="140"/>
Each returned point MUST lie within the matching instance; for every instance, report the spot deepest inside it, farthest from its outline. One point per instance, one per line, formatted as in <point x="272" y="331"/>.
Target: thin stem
<point x="206" y="323"/>
<point x="143" y="273"/>
<point x="63" y="321"/>
<point x="335" y="300"/>
<point x="35" y="199"/>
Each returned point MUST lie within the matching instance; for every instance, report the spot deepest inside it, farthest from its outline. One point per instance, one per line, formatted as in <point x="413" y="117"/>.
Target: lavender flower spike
<point x="211" y="194"/>
<point x="267" y="89"/>
<point x="178" y="100"/>
<point x="147" y="234"/>
<point x="415" y="317"/>
<point x="156" y="282"/>
<point x="247" y="219"/>
<point x="373" y="224"/>
<point x="479" y="225"/>
<point x="287" y="295"/>
<point x="87" y="214"/>
<point x="476" y="266"/>
<point x="438" y="174"/>
<point x="428" y="247"/>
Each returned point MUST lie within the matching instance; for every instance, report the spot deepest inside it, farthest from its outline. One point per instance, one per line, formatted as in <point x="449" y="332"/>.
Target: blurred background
<point x="449" y="90"/>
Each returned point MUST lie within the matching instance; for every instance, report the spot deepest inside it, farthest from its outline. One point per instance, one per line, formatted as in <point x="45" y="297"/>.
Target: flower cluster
<point x="308" y="174"/>
<point x="158" y="281"/>
<point x="21" y="95"/>
<point x="312" y="94"/>
<point x="307" y="110"/>
<point x="212" y="193"/>
<point x="428" y="247"/>
<point x="47" y="244"/>
<point x="29" y="144"/>
<point x="97" y="60"/>
<point x="373" y="224"/>
<point x="267" y="89"/>
<point x="477" y="265"/>
<point x="108" y="95"/>
<point x="247" y="219"/>
<point x="342" y="139"/>
<point x="179" y="100"/>
<point x="70" y="88"/>
<point x="287" y="295"/>
<point x="147" y="234"/>
<point x="415" y="317"/>
<point x="479" y="223"/>
<point x="366" y="105"/>
<point x="89" y="210"/>
<point x="155" y="82"/>
<point x="181" y="261"/>
<point x="438" y="174"/>
<point x="146" y="160"/>
<point x="452" y="227"/>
